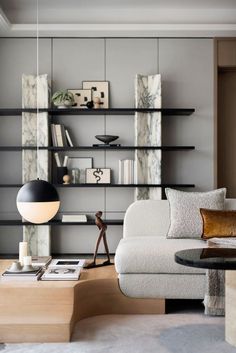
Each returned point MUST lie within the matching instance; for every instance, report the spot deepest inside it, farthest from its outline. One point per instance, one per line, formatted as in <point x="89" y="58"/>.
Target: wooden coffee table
<point x="46" y="311"/>
<point x="220" y="259"/>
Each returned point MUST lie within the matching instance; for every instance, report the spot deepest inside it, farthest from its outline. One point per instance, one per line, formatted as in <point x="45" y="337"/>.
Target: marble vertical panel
<point x="148" y="132"/>
<point x="35" y="92"/>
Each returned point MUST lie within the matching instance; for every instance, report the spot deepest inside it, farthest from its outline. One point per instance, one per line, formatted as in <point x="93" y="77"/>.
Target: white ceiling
<point x="119" y="17"/>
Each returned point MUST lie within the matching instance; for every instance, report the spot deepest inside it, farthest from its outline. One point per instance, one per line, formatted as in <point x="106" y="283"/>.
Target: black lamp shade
<point x="38" y="201"/>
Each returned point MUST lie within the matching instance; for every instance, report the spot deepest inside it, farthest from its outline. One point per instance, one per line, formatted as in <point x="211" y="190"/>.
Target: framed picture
<point x="81" y="96"/>
<point x="98" y="176"/>
<point x="80" y="163"/>
<point x="99" y="89"/>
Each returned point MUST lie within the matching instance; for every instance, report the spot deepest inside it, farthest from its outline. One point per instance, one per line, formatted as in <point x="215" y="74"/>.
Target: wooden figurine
<point x="102" y="235"/>
<point x="66" y="179"/>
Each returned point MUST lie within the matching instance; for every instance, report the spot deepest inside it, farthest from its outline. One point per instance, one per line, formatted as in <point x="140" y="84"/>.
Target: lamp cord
<point x="37" y="85"/>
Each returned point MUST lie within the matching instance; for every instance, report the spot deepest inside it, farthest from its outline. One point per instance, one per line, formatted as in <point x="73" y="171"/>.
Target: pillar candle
<point x="27" y="260"/>
<point x="23" y="251"/>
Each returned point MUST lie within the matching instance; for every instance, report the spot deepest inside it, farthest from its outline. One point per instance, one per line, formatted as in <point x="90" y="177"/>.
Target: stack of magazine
<point x="22" y="275"/>
<point x="63" y="270"/>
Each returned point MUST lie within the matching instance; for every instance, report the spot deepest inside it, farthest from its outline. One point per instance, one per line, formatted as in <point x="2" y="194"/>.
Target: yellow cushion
<point x="218" y="223"/>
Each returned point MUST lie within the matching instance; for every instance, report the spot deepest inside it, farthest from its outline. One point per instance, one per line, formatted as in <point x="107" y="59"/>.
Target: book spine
<point x="59" y="135"/>
<point x="63" y="134"/>
<point x="70" y="143"/>
<point x="58" y="162"/>
<point x="53" y="134"/>
<point x="121" y="172"/>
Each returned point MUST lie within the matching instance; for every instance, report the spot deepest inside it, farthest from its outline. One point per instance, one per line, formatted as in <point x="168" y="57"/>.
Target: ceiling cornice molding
<point x="116" y="30"/>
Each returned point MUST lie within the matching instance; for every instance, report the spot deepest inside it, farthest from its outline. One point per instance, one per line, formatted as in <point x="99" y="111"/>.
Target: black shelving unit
<point x="97" y="148"/>
<point x="18" y="222"/>
<point x="108" y="185"/>
<point x="110" y="111"/>
<point x="55" y="112"/>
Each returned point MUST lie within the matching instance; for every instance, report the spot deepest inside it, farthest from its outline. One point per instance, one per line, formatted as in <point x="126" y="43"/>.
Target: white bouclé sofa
<point x="145" y="257"/>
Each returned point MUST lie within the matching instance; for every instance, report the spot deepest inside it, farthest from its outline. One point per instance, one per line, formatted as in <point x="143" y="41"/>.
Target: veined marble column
<point x="35" y="132"/>
<point x="148" y="132"/>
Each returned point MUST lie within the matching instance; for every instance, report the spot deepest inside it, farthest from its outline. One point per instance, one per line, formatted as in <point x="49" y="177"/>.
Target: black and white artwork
<point x="98" y="176"/>
<point x="81" y="97"/>
<point x="99" y="89"/>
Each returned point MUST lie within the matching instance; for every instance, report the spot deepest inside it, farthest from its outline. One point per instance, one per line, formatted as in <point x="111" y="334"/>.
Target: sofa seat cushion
<point x="154" y="255"/>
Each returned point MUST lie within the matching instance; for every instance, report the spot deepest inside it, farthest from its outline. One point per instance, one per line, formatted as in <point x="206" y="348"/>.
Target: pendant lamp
<point x="37" y="201"/>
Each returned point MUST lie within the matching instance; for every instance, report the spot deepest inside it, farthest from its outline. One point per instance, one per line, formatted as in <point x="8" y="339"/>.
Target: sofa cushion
<point x="218" y="223"/>
<point x="185" y="218"/>
<point x="154" y="255"/>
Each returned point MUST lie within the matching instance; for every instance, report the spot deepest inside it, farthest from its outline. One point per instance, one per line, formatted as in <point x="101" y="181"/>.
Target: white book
<point x="55" y="273"/>
<point x="59" y="135"/>
<point x="69" y="138"/>
<point x="54" y="138"/>
<point x="41" y="261"/>
<point x="126" y="171"/>
<point x="57" y="158"/>
<point x="74" y="218"/>
<point x="67" y="263"/>
<point x="121" y="172"/>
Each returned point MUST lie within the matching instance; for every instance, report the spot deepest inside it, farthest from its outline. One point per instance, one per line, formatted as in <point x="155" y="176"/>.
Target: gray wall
<point x="186" y="66"/>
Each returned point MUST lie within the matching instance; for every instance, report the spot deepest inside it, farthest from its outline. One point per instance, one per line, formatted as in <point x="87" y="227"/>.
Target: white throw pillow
<point x="185" y="217"/>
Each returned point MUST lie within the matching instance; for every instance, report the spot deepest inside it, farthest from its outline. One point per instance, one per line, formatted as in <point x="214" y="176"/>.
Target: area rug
<point x="171" y="333"/>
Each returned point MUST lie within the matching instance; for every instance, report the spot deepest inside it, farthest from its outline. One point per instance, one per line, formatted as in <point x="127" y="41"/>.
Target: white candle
<point x="27" y="260"/>
<point x="23" y="251"/>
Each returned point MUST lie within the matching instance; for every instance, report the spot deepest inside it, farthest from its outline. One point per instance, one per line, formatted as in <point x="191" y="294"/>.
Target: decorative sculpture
<point x="102" y="235"/>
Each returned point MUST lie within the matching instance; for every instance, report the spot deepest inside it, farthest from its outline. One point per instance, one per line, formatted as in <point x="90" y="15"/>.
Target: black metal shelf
<point x="18" y="222"/>
<point x="109" y="111"/>
<point x="108" y="185"/>
<point x="106" y="148"/>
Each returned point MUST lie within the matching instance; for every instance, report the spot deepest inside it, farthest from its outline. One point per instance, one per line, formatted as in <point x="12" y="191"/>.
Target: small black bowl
<point x="106" y="138"/>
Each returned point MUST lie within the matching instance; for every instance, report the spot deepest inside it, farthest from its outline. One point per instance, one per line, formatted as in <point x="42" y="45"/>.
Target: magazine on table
<point x="55" y="273"/>
<point x="67" y="262"/>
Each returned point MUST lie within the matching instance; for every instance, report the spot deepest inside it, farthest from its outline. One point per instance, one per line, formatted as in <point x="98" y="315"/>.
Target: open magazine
<point x="63" y="270"/>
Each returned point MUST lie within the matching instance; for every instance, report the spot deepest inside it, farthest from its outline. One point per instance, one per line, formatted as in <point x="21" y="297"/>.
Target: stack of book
<point x="60" y="136"/>
<point x="22" y="275"/>
<point x="74" y="218"/>
<point x="126" y="172"/>
<point x="63" y="270"/>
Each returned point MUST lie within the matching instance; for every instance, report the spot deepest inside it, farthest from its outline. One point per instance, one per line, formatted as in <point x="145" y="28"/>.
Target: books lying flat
<point x="55" y="273"/>
<point x="41" y="261"/>
<point x="74" y="218"/>
<point x="22" y="276"/>
<point x="67" y="262"/>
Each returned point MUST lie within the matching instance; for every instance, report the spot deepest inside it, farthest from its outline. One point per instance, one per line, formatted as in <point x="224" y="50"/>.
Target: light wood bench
<point x="47" y="311"/>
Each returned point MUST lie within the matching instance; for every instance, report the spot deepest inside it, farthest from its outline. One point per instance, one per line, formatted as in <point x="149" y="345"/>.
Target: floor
<point x="184" y="329"/>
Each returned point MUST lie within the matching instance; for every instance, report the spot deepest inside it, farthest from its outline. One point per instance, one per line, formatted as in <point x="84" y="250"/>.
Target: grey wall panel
<point x="75" y="60"/>
<point x="186" y="66"/>
<point x="83" y="239"/>
<point x="9" y="239"/>
<point x="18" y="56"/>
<point x="124" y="59"/>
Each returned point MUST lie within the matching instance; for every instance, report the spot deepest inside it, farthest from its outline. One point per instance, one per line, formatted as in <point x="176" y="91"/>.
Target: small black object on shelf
<point x="89" y="105"/>
<point x="106" y="145"/>
<point x="61" y="171"/>
<point x="106" y="139"/>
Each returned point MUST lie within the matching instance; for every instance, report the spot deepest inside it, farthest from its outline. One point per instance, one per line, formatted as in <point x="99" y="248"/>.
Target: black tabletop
<point x="211" y="258"/>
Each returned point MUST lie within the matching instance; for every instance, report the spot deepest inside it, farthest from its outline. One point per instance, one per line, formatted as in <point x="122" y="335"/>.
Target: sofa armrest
<point x="147" y="218"/>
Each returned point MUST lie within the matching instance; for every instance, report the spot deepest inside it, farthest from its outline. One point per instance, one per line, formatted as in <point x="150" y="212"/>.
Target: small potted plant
<point x="63" y="99"/>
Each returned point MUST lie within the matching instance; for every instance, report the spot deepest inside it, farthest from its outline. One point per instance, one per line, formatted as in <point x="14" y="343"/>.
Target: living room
<point x="117" y="139"/>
